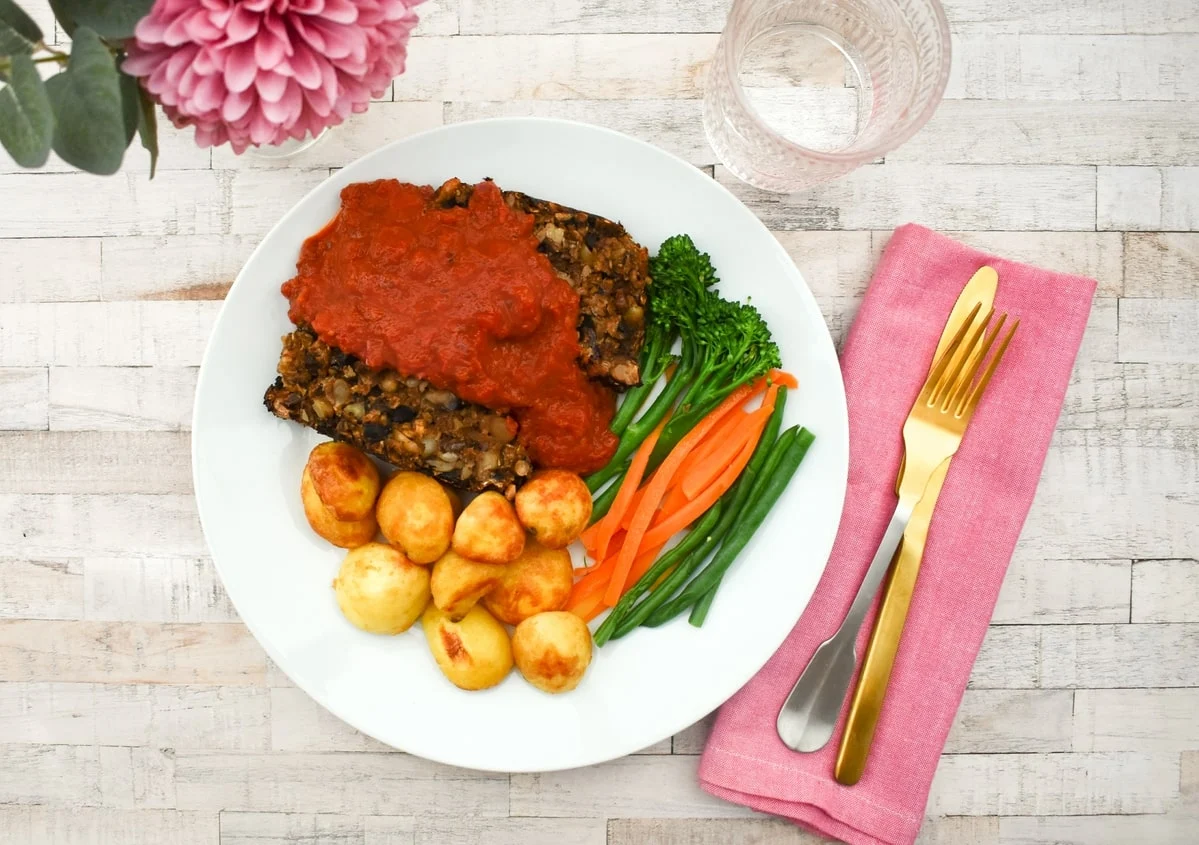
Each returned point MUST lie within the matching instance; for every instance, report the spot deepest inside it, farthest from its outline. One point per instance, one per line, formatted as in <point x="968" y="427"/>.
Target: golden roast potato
<point x="488" y="530"/>
<point x="380" y="590"/>
<point x="552" y="650"/>
<point x="345" y="480"/>
<point x="537" y="581"/>
<point x="347" y="534"/>
<point x="555" y="505"/>
<point x="458" y="582"/>
<point x="473" y="652"/>
<point x="416" y="515"/>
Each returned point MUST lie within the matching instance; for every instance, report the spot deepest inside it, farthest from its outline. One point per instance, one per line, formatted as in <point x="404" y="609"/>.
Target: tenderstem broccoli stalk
<point x="724" y="345"/>
<point x="637" y="431"/>
<point x="655" y="358"/>
<point x="681" y="277"/>
<point x="738" y="350"/>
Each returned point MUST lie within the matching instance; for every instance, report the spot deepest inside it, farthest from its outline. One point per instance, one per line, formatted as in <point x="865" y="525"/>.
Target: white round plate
<point x="639" y="690"/>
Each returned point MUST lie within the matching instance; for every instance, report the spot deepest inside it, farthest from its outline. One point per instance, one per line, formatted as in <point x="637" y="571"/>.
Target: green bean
<point x="603" y="502"/>
<point x="699" y="612"/>
<point x="646" y="582"/>
<point x="736" y="498"/>
<point x="743" y="496"/>
<point x="665" y="590"/>
<point x="752" y="518"/>
<point x="640" y="429"/>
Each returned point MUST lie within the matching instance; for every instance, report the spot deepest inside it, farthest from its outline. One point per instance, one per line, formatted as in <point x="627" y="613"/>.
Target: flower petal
<point x="240" y="68"/>
<point x="210" y="93"/>
<point x="269" y="49"/>
<point x="287" y="109"/>
<point x="305" y="67"/>
<point x="270" y="85"/>
<point x="340" y="41"/>
<point x="242" y="26"/>
<point x="340" y="11"/>
<point x="200" y="27"/>
<point x="246" y="72"/>
<point x="236" y="104"/>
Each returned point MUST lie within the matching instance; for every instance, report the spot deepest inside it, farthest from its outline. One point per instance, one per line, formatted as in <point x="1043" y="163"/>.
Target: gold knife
<point x="867" y="701"/>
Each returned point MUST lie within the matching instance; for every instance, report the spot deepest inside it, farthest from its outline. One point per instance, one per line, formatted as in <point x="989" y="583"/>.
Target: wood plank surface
<point x="1112" y="17"/>
<point x="136" y="709"/>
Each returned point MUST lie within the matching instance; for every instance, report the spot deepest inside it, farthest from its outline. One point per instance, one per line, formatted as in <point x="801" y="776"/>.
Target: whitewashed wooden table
<point x="135" y="707"/>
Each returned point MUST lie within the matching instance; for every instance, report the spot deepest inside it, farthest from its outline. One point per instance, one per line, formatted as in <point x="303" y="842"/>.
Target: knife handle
<point x="879" y="658"/>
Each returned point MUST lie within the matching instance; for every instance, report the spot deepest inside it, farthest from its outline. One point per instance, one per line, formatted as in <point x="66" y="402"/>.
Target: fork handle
<point x="809" y="715"/>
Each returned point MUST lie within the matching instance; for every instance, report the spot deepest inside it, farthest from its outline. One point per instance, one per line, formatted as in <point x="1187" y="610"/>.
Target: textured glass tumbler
<point x="803" y="91"/>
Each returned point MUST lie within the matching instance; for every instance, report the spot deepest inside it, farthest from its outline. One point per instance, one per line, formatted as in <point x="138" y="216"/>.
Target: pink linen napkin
<point x="979" y="515"/>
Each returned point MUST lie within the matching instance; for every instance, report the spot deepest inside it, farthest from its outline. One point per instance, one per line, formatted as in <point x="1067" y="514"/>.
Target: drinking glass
<point x="803" y="91"/>
<point x="287" y="149"/>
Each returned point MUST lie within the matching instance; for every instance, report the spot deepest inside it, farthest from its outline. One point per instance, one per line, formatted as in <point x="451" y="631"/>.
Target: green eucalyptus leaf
<point x="26" y="119"/>
<point x="63" y="16"/>
<point x="147" y="127"/>
<point x="129" y="105"/>
<point x="18" y="31"/>
<point x="113" y="19"/>
<point x="89" y="120"/>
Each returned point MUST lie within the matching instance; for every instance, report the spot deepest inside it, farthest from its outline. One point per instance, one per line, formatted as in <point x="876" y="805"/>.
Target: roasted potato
<point x="537" y="581"/>
<point x="473" y="652"/>
<point x="488" y="530"/>
<point x="416" y="516"/>
<point x="552" y="650"/>
<point x="347" y="534"/>
<point x="555" y="505"/>
<point x="458" y="582"/>
<point x="345" y="480"/>
<point x="380" y="590"/>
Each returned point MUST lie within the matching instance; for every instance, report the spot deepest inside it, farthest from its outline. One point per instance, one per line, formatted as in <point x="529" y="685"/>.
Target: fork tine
<point x="976" y="394"/>
<point x="974" y="365"/>
<point x="958" y="370"/>
<point x="934" y="375"/>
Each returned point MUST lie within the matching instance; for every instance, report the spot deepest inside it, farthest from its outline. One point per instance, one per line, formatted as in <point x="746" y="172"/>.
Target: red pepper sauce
<point x="459" y="297"/>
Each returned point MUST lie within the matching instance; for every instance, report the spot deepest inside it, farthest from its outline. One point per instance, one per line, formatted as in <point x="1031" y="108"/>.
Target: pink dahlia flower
<point x="262" y="71"/>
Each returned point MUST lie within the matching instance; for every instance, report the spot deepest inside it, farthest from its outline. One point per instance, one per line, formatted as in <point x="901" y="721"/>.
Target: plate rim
<point x="750" y="669"/>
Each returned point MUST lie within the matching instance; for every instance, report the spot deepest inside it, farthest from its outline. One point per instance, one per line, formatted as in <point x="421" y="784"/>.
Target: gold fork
<point x="866" y="703"/>
<point x="932" y="434"/>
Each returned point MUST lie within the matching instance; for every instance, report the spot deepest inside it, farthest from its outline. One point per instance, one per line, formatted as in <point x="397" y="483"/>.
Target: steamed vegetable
<point x="724" y="345"/>
<point x="699" y="458"/>
<point x="675" y="568"/>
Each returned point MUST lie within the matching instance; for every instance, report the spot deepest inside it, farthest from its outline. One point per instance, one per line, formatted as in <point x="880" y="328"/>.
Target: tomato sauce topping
<point x="462" y="298"/>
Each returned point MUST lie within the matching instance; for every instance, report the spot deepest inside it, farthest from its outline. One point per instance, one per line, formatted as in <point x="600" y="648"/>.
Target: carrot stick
<point x="784" y="378"/>
<point x="730" y="423"/>
<point x="722" y="432"/>
<point x="674" y="499"/>
<point x="676" y="521"/>
<point x="593" y="583"/>
<point x="751" y="425"/>
<point x="590" y="607"/>
<point x="586" y="569"/>
<point x="587" y="538"/>
<point x="632" y="509"/>
<point x="657" y="487"/>
<point x="706" y="471"/>
<point x="628" y="489"/>
<point x="613" y="550"/>
<point x="613" y="547"/>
